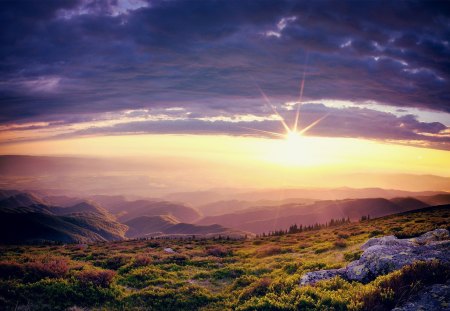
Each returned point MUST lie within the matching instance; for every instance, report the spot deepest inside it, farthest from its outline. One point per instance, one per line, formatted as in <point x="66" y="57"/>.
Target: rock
<point x="432" y="236"/>
<point x="169" y="250"/>
<point x="313" y="277"/>
<point x="386" y="241"/>
<point x="387" y="254"/>
<point x="431" y="298"/>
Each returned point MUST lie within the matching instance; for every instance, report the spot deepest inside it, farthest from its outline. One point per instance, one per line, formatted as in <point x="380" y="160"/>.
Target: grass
<point x="258" y="274"/>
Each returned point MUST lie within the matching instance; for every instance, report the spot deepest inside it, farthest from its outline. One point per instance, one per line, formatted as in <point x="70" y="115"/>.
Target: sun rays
<point x="293" y="131"/>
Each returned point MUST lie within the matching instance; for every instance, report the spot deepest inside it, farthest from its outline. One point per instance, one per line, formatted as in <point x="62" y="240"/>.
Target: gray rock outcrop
<point x="387" y="254"/>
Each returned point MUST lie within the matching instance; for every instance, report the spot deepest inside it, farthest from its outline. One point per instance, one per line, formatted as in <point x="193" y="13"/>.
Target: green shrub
<point x="115" y="262"/>
<point x="352" y="255"/>
<point x="57" y="294"/>
<point x="142" y="260"/>
<point x="375" y="233"/>
<point x="227" y="273"/>
<point x="258" y="288"/>
<point x="184" y="298"/>
<point x="145" y="276"/>
<point x="343" y="235"/>
<point x="243" y="281"/>
<point x="321" y="250"/>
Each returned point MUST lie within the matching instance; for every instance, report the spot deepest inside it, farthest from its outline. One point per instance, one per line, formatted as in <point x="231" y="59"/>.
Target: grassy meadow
<point x="253" y="274"/>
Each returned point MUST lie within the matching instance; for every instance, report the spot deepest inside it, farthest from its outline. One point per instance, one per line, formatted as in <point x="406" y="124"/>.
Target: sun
<point x="293" y="138"/>
<point x="293" y="148"/>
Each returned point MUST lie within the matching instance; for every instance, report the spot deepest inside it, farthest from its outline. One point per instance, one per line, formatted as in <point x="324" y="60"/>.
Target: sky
<point x="368" y="80"/>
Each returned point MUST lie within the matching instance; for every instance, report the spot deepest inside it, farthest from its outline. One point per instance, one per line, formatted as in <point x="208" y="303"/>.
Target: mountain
<point x="62" y="200"/>
<point x="4" y="194"/>
<point x="26" y="218"/>
<point x="409" y="203"/>
<point x="201" y="198"/>
<point x="127" y="210"/>
<point x="229" y="206"/>
<point x="438" y="199"/>
<point x="35" y="227"/>
<point x="113" y="203"/>
<point x="146" y="226"/>
<point x="21" y="199"/>
<point x="82" y="208"/>
<point x="265" y="219"/>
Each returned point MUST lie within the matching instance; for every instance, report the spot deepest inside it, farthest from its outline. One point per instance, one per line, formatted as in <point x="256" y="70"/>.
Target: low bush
<point x="145" y="276"/>
<point x="321" y="250"/>
<point x="227" y="273"/>
<point x="47" y="267"/>
<point x="258" y="288"/>
<point x="340" y="243"/>
<point x="352" y="255"/>
<point x="374" y="233"/>
<point x="115" y="262"/>
<point x="96" y="277"/>
<point x="218" y="251"/>
<point x="142" y="260"/>
<point x="344" y="235"/>
<point x="183" y="298"/>
<point x="268" y="250"/>
<point x="243" y="281"/>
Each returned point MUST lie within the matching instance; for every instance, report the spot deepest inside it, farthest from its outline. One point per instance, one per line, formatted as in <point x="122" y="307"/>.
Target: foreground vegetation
<point x="257" y="274"/>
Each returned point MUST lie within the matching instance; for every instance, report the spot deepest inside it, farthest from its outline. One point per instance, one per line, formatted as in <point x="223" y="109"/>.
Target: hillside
<point x="152" y="226"/>
<point x="25" y="218"/>
<point x="148" y="208"/>
<point x="146" y="225"/>
<point x="28" y="218"/>
<point x="20" y="199"/>
<point x="32" y="227"/>
<point x="438" y="199"/>
<point x="270" y="218"/>
<point x="82" y="208"/>
<point x="219" y="274"/>
<point x="231" y="206"/>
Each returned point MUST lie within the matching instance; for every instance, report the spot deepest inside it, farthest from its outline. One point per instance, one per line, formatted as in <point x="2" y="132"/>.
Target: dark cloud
<point x="63" y="60"/>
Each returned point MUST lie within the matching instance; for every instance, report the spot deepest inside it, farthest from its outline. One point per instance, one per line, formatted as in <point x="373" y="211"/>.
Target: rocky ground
<point x="386" y="254"/>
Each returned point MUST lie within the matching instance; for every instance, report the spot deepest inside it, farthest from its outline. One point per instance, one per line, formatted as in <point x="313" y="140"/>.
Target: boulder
<point x="387" y="254"/>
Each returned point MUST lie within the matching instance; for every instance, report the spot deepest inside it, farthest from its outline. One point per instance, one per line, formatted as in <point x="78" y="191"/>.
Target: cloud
<point x="349" y="122"/>
<point x="77" y="58"/>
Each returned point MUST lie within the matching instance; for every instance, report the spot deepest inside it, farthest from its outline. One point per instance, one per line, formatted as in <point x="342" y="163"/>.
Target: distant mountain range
<point x="261" y="219"/>
<point x="28" y="218"/>
<point x="147" y="226"/>
<point x="202" y="198"/>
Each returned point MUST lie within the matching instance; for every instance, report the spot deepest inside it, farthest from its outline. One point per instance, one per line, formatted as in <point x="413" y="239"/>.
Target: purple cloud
<point x="67" y="60"/>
